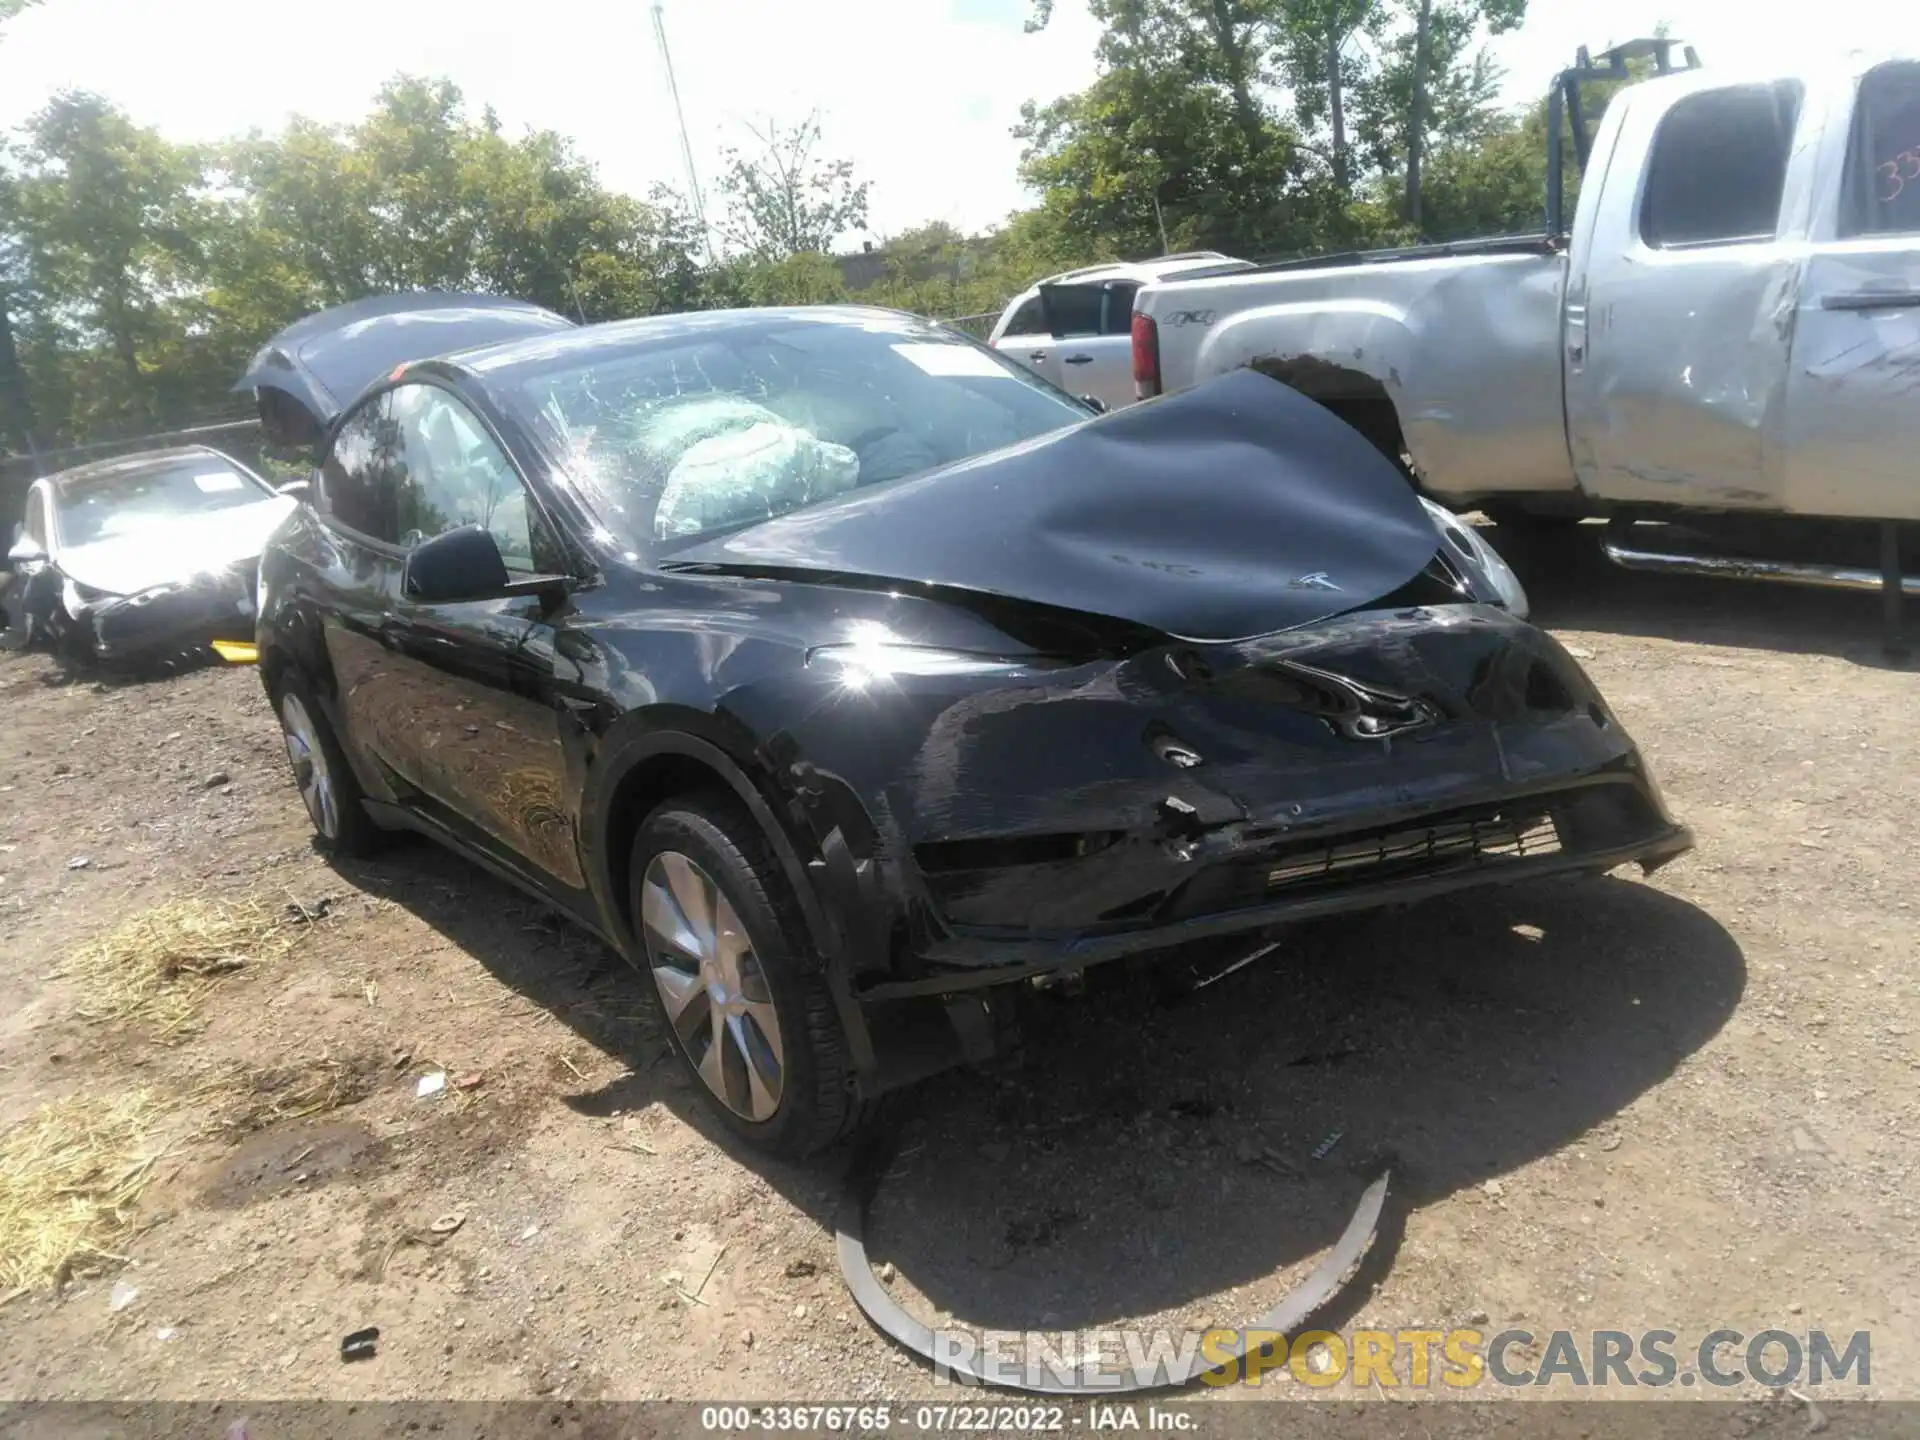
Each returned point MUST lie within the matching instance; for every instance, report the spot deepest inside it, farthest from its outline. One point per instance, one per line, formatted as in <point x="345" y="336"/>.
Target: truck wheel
<point x="739" y="984"/>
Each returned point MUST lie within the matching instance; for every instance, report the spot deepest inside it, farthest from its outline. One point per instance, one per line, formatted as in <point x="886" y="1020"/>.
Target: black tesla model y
<point x="839" y="673"/>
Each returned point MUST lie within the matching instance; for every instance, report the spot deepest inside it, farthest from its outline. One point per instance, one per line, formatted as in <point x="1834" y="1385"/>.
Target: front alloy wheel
<point x="712" y="986"/>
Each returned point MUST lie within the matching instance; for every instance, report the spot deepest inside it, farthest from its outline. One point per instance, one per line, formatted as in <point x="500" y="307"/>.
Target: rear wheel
<point x="739" y="983"/>
<point x="321" y="774"/>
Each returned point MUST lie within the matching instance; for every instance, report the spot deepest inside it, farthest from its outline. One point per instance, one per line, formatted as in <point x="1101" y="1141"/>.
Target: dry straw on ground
<point x="69" y="1179"/>
<point x="254" y="1099"/>
<point x="155" y="966"/>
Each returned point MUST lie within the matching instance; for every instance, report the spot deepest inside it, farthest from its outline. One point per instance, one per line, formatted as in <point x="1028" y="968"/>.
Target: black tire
<point x="351" y="833"/>
<point x="816" y="1104"/>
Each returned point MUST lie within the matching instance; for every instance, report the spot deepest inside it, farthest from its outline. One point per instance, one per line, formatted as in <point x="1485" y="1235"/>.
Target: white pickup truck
<point x="1729" y="332"/>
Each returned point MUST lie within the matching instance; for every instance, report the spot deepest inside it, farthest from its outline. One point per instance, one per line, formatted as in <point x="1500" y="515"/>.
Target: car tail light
<point x="1146" y="357"/>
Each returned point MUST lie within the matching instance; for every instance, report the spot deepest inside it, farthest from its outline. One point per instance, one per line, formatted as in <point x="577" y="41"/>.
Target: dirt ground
<point x="1679" y="1103"/>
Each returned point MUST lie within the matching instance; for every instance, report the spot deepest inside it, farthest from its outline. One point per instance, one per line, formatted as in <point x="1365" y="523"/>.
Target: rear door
<point x="1853" y="428"/>
<point x="1091" y="324"/>
<point x="1025" y="339"/>
<point x="1676" y="391"/>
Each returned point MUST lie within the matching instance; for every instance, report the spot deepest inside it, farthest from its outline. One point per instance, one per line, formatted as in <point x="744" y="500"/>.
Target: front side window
<point x="456" y="474"/>
<point x="1883" y="181"/>
<point x="36" y="529"/>
<point x="673" y="437"/>
<point x="1719" y="165"/>
<point x="1073" y="309"/>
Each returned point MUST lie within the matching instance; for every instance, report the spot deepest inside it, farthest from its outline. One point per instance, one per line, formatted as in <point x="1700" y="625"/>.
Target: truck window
<point x="1028" y="319"/>
<point x="1718" y="166"/>
<point x="1883" y="180"/>
<point x="1118" y="319"/>
<point x="1072" y="310"/>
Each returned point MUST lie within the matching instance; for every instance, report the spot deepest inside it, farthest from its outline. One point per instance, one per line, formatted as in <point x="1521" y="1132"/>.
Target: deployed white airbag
<point x="730" y="461"/>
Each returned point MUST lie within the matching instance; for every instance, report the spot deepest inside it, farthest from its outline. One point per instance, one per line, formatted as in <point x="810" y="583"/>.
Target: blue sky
<point x="919" y="93"/>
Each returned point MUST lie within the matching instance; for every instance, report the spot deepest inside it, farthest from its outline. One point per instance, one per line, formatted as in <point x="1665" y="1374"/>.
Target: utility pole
<point x="694" y="198"/>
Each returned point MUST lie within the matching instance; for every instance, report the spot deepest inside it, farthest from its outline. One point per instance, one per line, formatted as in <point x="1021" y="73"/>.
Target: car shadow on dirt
<point x="1573" y="586"/>
<point x="1141" y="1158"/>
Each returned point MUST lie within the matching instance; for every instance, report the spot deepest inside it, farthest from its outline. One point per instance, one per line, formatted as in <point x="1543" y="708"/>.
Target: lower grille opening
<point x="1439" y="842"/>
<point x="1482" y="837"/>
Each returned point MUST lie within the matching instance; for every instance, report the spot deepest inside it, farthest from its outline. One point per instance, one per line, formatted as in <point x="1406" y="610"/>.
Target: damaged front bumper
<point x="1051" y="821"/>
<point x="1246" y="877"/>
<point x="172" y="617"/>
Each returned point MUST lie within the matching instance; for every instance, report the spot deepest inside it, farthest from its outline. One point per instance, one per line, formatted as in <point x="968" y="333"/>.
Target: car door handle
<point x="1871" y="300"/>
<point x="1077" y="360"/>
<point x="1037" y="355"/>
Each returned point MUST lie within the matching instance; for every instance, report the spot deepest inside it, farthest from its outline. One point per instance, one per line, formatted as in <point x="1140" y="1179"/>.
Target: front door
<point x="1854" y="430"/>
<point x="484" y="747"/>
<point x="1675" y="390"/>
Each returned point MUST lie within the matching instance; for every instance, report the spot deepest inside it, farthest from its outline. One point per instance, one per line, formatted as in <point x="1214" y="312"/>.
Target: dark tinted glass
<point x="1884" y="182"/>
<point x="1073" y="309"/>
<point x="1719" y="164"/>
<point x="365" y="467"/>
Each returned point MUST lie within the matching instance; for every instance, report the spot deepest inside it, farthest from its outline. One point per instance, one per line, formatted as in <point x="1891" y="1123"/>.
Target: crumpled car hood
<point x="174" y="551"/>
<point x="1235" y="509"/>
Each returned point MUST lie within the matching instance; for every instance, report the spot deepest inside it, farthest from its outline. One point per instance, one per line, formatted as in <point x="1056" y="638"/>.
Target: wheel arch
<point x="677" y="755"/>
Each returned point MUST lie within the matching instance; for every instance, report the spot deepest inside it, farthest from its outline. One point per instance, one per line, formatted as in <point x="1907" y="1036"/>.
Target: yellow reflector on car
<point x="236" y="652"/>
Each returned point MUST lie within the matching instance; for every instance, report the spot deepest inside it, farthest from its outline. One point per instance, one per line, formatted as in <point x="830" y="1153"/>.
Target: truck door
<point x="1676" y="382"/>
<point x="1092" y="327"/>
<point x="1853" y="428"/>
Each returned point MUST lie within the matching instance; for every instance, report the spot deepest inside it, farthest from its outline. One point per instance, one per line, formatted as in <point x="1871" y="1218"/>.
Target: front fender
<point x="823" y="876"/>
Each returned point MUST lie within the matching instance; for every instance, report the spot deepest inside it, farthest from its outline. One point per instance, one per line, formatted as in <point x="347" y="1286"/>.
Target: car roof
<point x="1146" y="271"/>
<point x="94" y="472"/>
<point x="580" y="344"/>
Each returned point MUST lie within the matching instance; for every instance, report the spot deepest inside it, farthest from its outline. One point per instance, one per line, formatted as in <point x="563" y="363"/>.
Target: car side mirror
<point x="465" y="564"/>
<point x="25" y="551"/>
<point x="299" y="489"/>
<point x="1094" y="403"/>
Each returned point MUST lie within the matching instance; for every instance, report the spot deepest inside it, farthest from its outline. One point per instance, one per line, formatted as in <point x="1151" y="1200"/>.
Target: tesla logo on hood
<point x="1318" y="580"/>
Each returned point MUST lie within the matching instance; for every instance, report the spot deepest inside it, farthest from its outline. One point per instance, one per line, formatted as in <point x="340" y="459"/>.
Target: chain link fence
<point x="978" y="326"/>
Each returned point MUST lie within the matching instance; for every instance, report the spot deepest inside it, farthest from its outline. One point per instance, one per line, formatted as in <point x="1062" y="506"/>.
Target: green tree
<point x="111" y="216"/>
<point x="783" y="199"/>
<point x="1434" y="85"/>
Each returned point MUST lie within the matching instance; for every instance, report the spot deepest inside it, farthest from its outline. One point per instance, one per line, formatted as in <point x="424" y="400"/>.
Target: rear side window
<point x="1718" y="166"/>
<point x="1883" y="180"/>
<point x="1118" y="319"/>
<point x="1028" y="319"/>
<point x="360" y="478"/>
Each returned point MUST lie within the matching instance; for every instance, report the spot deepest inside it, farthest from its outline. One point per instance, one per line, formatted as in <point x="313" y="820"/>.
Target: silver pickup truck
<point x="1729" y="331"/>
